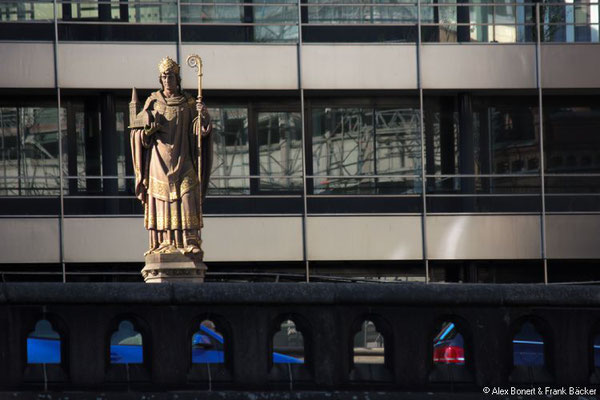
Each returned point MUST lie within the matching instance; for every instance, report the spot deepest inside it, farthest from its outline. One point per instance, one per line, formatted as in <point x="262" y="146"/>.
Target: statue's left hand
<point x="205" y="116"/>
<point x="202" y="110"/>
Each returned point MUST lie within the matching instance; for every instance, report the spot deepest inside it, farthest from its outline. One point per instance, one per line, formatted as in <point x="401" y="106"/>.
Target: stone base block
<point x="173" y="267"/>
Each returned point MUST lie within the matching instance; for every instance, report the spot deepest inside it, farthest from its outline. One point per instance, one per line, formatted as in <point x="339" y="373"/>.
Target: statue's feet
<point x="151" y="250"/>
<point x="166" y="248"/>
<point x="191" y="249"/>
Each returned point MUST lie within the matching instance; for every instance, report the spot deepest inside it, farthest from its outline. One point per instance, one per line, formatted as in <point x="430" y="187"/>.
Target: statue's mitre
<point x="168" y="65"/>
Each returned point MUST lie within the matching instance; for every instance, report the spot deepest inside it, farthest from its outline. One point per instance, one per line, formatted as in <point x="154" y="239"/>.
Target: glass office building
<point x="432" y="140"/>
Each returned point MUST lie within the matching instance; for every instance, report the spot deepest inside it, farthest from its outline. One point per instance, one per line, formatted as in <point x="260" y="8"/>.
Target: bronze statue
<point x="172" y="156"/>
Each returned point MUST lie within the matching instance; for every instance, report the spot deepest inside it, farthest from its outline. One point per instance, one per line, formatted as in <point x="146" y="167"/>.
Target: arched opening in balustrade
<point x="128" y="354"/>
<point x="595" y="354"/>
<point x="449" y="345"/>
<point x="44" y="345"/>
<point x="208" y="344"/>
<point x="529" y="350"/>
<point x="528" y="347"/>
<point x="126" y="344"/>
<point x="369" y="345"/>
<point x="288" y="344"/>
<point x="596" y="350"/>
<point x="449" y="351"/>
<point x="46" y="351"/>
<point x="210" y="350"/>
<point x="289" y="350"/>
<point x="371" y="341"/>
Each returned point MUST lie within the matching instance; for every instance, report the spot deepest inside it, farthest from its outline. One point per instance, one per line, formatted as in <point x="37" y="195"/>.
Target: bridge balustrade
<point x="408" y="316"/>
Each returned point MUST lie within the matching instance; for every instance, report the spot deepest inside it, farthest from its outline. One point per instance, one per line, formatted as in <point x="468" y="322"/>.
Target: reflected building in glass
<point x="382" y="140"/>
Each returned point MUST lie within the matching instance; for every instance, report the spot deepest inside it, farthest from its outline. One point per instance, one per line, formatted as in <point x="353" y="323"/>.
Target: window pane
<point x="361" y="12"/>
<point x="153" y="12"/>
<point x="572" y="152"/>
<point x="27" y="11"/>
<point x="398" y="141"/>
<point x="504" y="138"/>
<point x="572" y="139"/>
<point x="280" y="150"/>
<point x="230" y="147"/>
<point x="122" y="138"/>
<point x="343" y="145"/>
<point x="84" y="10"/>
<point x="284" y="18"/>
<point x="213" y="12"/>
<point x="29" y="144"/>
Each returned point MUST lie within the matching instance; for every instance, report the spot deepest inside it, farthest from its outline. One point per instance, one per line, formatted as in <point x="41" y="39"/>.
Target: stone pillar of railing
<point x="250" y="331"/>
<point x="170" y="344"/>
<point x="571" y="347"/>
<point x="88" y="344"/>
<point x="411" y="358"/>
<point x="490" y="352"/>
<point x="329" y="350"/>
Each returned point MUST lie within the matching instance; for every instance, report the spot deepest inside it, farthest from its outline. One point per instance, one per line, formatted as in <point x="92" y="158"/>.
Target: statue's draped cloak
<point x="165" y="163"/>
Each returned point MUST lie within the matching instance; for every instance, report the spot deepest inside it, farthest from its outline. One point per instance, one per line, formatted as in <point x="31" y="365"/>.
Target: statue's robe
<point x="166" y="165"/>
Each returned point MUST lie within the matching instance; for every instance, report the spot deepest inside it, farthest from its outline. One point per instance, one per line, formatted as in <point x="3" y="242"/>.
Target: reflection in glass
<point x="365" y="141"/>
<point x="43" y="344"/>
<point x="343" y="145"/>
<point x="283" y="17"/>
<point x="501" y="23"/>
<point x="213" y="12"/>
<point x="164" y="11"/>
<point x="207" y="345"/>
<point x="514" y="140"/>
<point x="362" y="12"/>
<point x="27" y="11"/>
<point x="280" y="150"/>
<point x="568" y="22"/>
<point x="483" y="137"/>
<point x="288" y="344"/>
<point x="230" y="151"/>
<point x="505" y="20"/>
<point x="139" y="11"/>
<point x="481" y="15"/>
<point x="572" y="139"/>
<point x="369" y="346"/>
<point x="29" y="151"/>
<point x="84" y="10"/>
<point x="126" y="345"/>
<point x="87" y="130"/>
<point x="122" y="149"/>
<point x="572" y="152"/>
<point x="528" y="347"/>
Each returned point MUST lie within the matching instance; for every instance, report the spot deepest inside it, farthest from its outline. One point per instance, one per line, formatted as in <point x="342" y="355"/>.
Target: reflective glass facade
<point x="322" y="21"/>
<point x="404" y="150"/>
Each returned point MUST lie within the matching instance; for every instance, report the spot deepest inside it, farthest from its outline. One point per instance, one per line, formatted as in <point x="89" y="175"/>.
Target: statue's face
<point x="169" y="81"/>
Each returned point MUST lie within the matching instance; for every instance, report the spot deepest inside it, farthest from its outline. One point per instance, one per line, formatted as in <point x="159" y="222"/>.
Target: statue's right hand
<point x="149" y="130"/>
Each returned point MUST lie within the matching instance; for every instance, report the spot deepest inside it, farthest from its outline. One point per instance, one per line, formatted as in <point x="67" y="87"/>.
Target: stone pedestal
<point x="173" y="267"/>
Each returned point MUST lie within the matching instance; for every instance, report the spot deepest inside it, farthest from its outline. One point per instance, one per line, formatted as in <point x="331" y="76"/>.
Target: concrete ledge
<point x="300" y="294"/>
